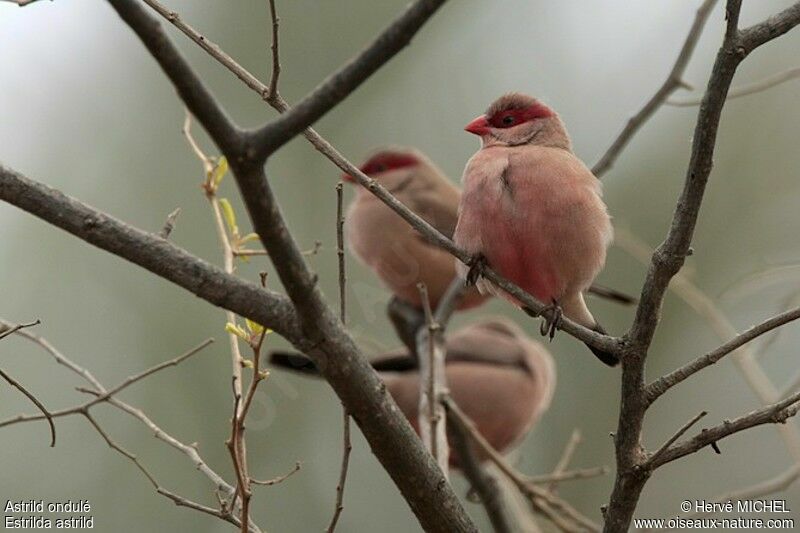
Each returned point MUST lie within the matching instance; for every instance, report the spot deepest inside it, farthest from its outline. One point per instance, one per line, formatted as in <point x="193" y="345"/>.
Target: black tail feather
<point x="607" y="358"/>
<point x="612" y="294"/>
<point x="295" y="362"/>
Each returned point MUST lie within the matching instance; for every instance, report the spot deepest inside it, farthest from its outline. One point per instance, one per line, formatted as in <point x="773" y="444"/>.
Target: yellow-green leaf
<point x="249" y="237"/>
<point x="229" y="215"/>
<point x="219" y="171"/>
<point x="238" y="331"/>
<point x="254" y="327"/>
<point x="247" y="363"/>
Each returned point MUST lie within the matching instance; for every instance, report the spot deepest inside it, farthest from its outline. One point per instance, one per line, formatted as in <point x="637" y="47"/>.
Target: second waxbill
<point x="386" y="243"/>
<point x="533" y="211"/>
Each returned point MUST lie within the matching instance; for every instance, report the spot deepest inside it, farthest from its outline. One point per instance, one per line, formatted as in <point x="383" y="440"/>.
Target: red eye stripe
<point x="388" y="161"/>
<point x="519" y="116"/>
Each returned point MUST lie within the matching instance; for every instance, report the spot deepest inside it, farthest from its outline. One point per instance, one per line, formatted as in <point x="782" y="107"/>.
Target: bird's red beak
<point x="479" y="126"/>
<point x="347" y="177"/>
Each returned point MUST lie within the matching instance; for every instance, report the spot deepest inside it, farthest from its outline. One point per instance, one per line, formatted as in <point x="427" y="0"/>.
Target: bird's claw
<point x="553" y="317"/>
<point x="476" y="265"/>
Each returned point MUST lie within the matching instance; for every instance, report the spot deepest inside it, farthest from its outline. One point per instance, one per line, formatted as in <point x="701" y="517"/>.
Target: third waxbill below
<point x="533" y="211"/>
<point x="502" y="379"/>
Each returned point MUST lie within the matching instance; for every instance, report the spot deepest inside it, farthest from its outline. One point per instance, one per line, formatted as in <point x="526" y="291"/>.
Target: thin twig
<point x="130" y="380"/>
<point x="279" y="479"/>
<point x="228" y="256"/>
<point x="744" y="90"/>
<point x="776" y="413"/>
<point x="664" y="383"/>
<point x="346" y="449"/>
<point x="276" y="60"/>
<point x="190" y="451"/>
<point x="484" y="485"/>
<point x="433" y="380"/>
<point x="569" y="475"/>
<point x="169" y="225"/>
<point x="566" y="456"/>
<point x="9" y="329"/>
<point x="36" y="402"/>
<point x="346" y="444"/>
<point x="678" y="434"/>
<point x="562" y="514"/>
<point x="674" y="81"/>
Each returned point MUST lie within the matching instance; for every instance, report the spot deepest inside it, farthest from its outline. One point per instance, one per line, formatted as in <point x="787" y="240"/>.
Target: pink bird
<point x="387" y="244"/>
<point x="502" y="379"/>
<point x="533" y="211"/>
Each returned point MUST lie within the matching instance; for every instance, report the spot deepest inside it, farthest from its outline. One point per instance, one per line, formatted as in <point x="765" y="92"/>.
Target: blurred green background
<point x="85" y="109"/>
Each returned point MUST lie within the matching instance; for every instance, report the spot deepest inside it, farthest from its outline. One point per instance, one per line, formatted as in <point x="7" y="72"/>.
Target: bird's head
<point x="515" y="119"/>
<point x="389" y="165"/>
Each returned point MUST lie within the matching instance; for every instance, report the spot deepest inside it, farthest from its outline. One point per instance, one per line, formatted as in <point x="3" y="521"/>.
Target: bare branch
<point x="776" y="413"/>
<point x="678" y="434"/>
<point x="346" y="445"/>
<point x="569" y="475"/>
<point x="563" y="515"/>
<point x="674" y="81"/>
<point x="36" y="402"/>
<point x="159" y="433"/>
<point x="566" y="456"/>
<point x="276" y="58"/>
<point x="481" y="481"/>
<point x="177" y="499"/>
<point x="100" y="397"/>
<point x="150" y="252"/>
<point x="664" y="383"/>
<point x="347" y="79"/>
<point x="432" y="377"/>
<point x="279" y="479"/>
<point x="744" y="90"/>
<point x="346" y="449"/>
<point x="21" y="3"/>
<point x="9" y="329"/>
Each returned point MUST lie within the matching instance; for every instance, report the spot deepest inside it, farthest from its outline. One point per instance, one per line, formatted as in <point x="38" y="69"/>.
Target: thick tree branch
<point x="343" y="82"/>
<point x="664" y="383"/>
<point x="669" y="258"/>
<point x="674" y="81"/>
<point x="150" y="252"/>
<point x="322" y="335"/>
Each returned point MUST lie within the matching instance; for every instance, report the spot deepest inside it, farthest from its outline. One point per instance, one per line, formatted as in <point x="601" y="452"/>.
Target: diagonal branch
<point x="151" y="252"/>
<point x="664" y="383"/>
<point x="47" y="414"/>
<point x="674" y="81"/>
<point x="346" y="80"/>
<point x="745" y="90"/>
<point x="776" y="413"/>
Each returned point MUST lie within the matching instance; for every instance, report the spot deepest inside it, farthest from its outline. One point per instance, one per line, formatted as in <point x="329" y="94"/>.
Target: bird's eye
<point x="380" y="167"/>
<point x="508" y="120"/>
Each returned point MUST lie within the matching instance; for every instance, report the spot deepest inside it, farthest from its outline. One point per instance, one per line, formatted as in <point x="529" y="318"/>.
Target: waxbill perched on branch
<point x="533" y="211"/>
<point x="394" y="250"/>
<point x="387" y="244"/>
<point x="501" y="378"/>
